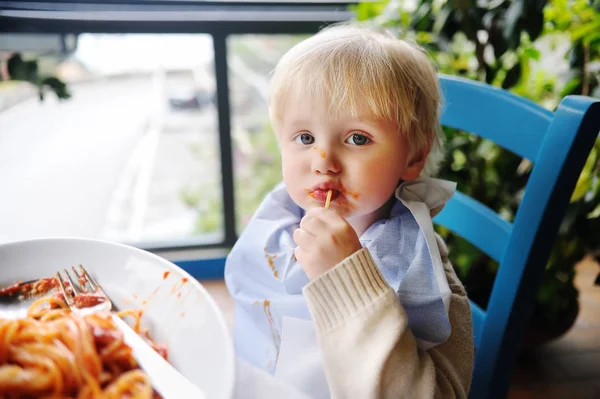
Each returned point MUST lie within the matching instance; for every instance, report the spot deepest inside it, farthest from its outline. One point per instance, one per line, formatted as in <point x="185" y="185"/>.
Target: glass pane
<point x="132" y="156"/>
<point x="251" y="59"/>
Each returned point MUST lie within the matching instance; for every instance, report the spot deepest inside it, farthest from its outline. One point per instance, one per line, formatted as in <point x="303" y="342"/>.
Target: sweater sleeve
<point x="369" y="351"/>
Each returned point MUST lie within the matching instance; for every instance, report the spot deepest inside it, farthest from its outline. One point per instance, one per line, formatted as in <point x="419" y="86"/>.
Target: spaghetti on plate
<point x="56" y="353"/>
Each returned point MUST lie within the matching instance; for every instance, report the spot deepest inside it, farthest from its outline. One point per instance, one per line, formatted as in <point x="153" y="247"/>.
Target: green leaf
<point x="531" y="53"/>
<point x="491" y="176"/>
<point x="570" y="86"/>
<point x="420" y="18"/>
<point x="590" y="162"/>
<point x="595" y="213"/>
<point x="583" y="30"/>
<point x="458" y="160"/>
<point x="57" y="86"/>
<point x="365" y="11"/>
<point x="441" y="19"/>
<point x="584" y="182"/>
<point x="19" y="69"/>
<point x="592" y="38"/>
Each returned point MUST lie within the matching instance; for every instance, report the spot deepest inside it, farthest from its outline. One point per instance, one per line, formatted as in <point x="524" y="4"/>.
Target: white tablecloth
<point x="254" y="383"/>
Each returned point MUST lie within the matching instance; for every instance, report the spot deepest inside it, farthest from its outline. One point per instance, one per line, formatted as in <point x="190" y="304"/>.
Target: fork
<point x="165" y="379"/>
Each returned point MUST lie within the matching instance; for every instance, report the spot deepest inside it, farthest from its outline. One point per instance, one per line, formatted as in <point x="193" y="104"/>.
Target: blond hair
<point x="370" y="73"/>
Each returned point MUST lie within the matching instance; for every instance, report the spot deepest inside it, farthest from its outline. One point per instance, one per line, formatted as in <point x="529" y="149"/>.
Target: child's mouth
<point x="321" y="194"/>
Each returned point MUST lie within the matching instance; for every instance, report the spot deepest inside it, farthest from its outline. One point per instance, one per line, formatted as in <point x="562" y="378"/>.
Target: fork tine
<point x="89" y="278"/>
<point x="63" y="290"/>
<point x="82" y="287"/>
<point x="76" y="289"/>
<point x="82" y="283"/>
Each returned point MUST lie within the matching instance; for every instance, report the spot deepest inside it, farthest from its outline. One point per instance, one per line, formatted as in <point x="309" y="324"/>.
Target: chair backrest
<point x="558" y="144"/>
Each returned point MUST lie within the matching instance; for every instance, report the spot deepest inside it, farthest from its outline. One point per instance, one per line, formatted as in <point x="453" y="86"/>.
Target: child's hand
<point x="324" y="239"/>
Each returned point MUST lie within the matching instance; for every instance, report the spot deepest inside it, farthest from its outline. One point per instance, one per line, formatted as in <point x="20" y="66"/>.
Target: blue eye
<point x="305" y="139"/>
<point x="358" y="139"/>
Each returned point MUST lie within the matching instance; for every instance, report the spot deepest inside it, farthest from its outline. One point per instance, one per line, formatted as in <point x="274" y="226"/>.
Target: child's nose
<point x="325" y="162"/>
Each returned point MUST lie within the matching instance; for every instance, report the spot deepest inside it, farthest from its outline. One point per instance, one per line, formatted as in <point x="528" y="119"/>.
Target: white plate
<point x="178" y="313"/>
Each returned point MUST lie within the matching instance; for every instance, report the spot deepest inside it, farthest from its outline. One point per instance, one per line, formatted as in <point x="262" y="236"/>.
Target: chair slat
<point x="512" y="122"/>
<point x="477" y="223"/>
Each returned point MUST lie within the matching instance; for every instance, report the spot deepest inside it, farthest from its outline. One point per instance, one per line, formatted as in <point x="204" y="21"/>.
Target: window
<point x="132" y="156"/>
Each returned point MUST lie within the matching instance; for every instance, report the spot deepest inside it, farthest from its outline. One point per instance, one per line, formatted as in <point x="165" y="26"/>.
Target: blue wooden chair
<point x="558" y="143"/>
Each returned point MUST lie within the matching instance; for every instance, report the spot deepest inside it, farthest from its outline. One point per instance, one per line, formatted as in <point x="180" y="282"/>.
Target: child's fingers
<point x="326" y="215"/>
<point x="301" y="255"/>
<point x="303" y="238"/>
<point x="314" y="225"/>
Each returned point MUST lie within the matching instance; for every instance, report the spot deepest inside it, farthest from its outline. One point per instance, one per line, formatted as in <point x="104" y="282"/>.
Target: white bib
<point x="266" y="281"/>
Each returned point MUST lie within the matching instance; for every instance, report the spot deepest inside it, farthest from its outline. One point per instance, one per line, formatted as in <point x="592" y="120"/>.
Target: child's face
<point x="361" y="160"/>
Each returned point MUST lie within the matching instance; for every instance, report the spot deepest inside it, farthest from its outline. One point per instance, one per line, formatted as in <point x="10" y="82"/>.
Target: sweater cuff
<point x="344" y="291"/>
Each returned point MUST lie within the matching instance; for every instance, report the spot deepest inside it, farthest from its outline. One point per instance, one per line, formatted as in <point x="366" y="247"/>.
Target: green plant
<point x="506" y="44"/>
<point x="19" y="69"/>
<point x="580" y="20"/>
<point x="208" y="205"/>
<point x="260" y="172"/>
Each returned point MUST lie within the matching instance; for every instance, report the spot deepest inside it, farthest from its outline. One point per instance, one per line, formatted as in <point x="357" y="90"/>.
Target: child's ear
<point x="415" y="166"/>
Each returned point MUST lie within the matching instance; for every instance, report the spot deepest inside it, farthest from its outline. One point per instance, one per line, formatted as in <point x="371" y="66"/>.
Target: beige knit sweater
<point x="368" y="350"/>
